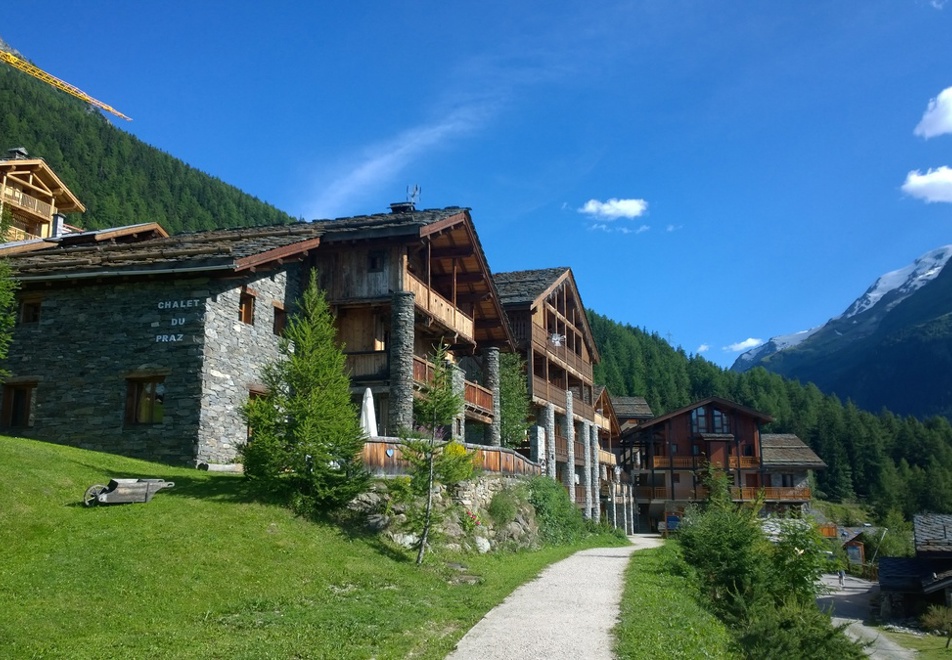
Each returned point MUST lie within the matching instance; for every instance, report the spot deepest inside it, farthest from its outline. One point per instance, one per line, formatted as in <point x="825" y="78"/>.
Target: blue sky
<point x="715" y="172"/>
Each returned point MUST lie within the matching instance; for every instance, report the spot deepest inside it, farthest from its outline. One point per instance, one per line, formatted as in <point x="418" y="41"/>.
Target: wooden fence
<point x="383" y="458"/>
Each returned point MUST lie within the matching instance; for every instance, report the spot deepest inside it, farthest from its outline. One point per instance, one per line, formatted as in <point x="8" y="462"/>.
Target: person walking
<point x="841" y="574"/>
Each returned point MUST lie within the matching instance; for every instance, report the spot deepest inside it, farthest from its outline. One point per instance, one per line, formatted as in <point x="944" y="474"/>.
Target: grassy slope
<point x="204" y="571"/>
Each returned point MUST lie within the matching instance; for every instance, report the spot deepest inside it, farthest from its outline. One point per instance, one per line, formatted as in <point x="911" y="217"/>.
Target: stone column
<point x="550" y="440"/>
<point x="596" y="490"/>
<point x="492" y="382"/>
<point x="459" y="388"/>
<point x="624" y="509"/>
<point x="401" y="362"/>
<point x="612" y="487"/>
<point x="587" y="469"/>
<point x="570" y="440"/>
<point x="632" y="509"/>
<point x="537" y="446"/>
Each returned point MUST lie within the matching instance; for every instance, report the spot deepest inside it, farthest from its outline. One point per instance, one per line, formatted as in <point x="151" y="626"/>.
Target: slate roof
<point x="631" y="407"/>
<point x="522" y="287"/>
<point x="223" y="249"/>
<point x="933" y="533"/>
<point x="914" y="575"/>
<point x="787" y="450"/>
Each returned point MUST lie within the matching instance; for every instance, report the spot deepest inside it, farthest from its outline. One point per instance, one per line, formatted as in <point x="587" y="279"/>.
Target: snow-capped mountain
<point x="892" y="346"/>
<point x="885" y="293"/>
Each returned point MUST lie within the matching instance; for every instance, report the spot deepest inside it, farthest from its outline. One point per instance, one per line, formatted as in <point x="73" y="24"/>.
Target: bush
<point x="560" y="521"/>
<point x="503" y="506"/>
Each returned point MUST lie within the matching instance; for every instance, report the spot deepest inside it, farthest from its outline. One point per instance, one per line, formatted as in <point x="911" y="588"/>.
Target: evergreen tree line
<point x="120" y="179"/>
<point x="889" y="462"/>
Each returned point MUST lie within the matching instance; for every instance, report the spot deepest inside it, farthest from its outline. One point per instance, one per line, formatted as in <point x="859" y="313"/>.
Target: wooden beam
<point x="460" y="278"/>
<point x="452" y="252"/>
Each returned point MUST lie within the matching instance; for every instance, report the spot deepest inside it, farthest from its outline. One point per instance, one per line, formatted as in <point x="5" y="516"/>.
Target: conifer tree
<point x="514" y="399"/>
<point x="305" y="439"/>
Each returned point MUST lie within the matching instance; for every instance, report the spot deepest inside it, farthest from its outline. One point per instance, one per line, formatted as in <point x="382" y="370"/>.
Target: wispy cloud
<point x="381" y="163"/>
<point x="703" y="348"/>
<point x="671" y="228"/>
<point x="748" y="343"/>
<point x="933" y="186"/>
<point x="937" y="119"/>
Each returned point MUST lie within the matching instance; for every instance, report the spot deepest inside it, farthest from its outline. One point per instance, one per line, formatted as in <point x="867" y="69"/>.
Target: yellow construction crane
<point x="36" y="72"/>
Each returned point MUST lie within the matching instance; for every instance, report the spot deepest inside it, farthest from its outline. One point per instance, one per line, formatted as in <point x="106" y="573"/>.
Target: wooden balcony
<point x="561" y="448"/>
<point x="19" y="199"/>
<point x="579" y="494"/>
<point x="606" y="458"/>
<point x="383" y="457"/>
<point x="744" y="462"/>
<point x="367" y="365"/>
<point x="697" y="462"/>
<point x="562" y="355"/>
<point x="677" y="462"/>
<point x="555" y="394"/>
<point x="772" y="494"/>
<point x="439" y="307"/>
<point x="477" y="399"/>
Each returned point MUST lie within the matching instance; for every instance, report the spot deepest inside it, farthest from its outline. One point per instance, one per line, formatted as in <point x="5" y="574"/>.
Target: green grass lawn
<point x="661" y="617"/>
<point x="929" y="647"/>
<point x="205" y="571"/>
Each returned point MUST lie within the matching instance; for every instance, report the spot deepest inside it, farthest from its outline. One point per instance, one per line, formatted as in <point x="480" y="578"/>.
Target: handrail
<point x="441" y="308"/>
<point x="27" y="202"/>
<point x="383" y="457"/>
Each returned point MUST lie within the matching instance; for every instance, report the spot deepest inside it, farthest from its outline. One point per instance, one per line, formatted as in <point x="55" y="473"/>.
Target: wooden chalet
<point x="909" y="584"/>
<point x="631" y="410"/>
<point x="670" y="454"/>
<point x="787" y="463"/>
<point x="553" y="335"/>
<point x="35" y="196"/>
<point x="399" y="285"/>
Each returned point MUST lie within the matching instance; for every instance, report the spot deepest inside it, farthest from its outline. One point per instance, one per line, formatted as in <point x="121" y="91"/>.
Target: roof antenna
<point x="413" y="194"/>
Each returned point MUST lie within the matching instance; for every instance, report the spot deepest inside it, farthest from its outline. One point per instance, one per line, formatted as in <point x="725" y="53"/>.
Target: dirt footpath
<point x="849" y="604"/>
<point x="567" y="613"/>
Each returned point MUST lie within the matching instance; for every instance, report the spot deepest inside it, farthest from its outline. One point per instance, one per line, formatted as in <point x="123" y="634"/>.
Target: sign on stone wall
<point x="177" y="320"/>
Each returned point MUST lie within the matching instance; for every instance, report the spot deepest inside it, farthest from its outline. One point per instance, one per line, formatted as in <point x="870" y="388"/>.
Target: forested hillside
<point x="890" y="462"/>
<point x="120" y="179"/>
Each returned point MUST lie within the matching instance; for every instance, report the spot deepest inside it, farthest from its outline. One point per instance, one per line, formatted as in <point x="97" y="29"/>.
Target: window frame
<point x="246" y="305"/>
<point x="26" y="409"/>
<point x="139" y="394"/>
<point x="29" y="311"/>
<point x="280" y="321"/>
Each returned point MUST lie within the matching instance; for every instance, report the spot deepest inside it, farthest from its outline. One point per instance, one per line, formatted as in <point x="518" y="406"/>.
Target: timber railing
<point x="439" y="307"/>
<point x="746" y="494"/>
<point x="383" y="457"/>
<point x="26" y="202"/>
<point x="476" y="397"/>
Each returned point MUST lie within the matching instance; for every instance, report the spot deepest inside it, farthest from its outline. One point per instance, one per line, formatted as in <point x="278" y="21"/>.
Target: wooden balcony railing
<point x="744" y="462"/>
<point x="383" y="457"/>
<point x="27" y="202"/>
<point x="476" y="397"/>
<point x="541" y="343"/>
<point x="679" y="462"/>
<point x="439" y="307"/>
<point x="579" y="494"/>
<point x="367" y="365"/>
<point x="580" y="453"/>
<point x="772" y="494"/>
<point x="561" y="447"/>
<point x="555" y="394"/>
<point x="606" y="457"/>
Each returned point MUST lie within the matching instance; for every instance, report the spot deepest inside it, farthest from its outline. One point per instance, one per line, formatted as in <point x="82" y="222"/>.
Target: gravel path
<point x="567" y="613"/>
<point x="850" y="605"/>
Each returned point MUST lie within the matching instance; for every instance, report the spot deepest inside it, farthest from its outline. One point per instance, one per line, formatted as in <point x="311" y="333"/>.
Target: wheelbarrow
<point x="124" y="491"/>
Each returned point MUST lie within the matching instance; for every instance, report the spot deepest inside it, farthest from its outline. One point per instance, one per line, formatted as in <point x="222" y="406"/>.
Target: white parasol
<point x="368" y="418"/>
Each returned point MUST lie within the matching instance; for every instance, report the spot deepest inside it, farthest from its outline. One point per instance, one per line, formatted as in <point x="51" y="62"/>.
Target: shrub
<point x="504" y="506"/>
<point x="560" y="521"/>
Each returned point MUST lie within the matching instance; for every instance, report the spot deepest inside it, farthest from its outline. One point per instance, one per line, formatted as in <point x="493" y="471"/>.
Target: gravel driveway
<point x="567" y="613"/>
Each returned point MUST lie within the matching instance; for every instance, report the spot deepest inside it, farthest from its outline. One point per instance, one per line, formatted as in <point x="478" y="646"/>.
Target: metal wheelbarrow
<point x="124" y="491"/>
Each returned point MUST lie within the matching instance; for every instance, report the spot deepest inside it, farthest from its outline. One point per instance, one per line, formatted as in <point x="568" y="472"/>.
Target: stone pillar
<point x="587" y="469"/>
<point x="596" y="490"/>
<point x="624" y="510"/>
<point x="550" y="440"/>
<point x="401" y="362"/>
<point x="492" y="382"/>
<point x="537" y="446"/>
<point x="459" y="388"/>
<point x="612" y="487"/>
<point x="570" y="440"/>
<point x="632" y="509"/>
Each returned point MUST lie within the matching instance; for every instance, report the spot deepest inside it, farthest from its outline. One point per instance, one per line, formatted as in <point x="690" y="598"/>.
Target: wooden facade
<point x="35" y="196"/>
<point x="670" y="455"/>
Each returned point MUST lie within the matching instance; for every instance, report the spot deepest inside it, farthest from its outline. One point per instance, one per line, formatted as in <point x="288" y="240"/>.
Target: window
<point x="375" y="261"/>
<point x="145" y="399"/>
<point x="748" y="450"/>
<point x="246" y="305"/>
<point x="786" y="480"/>
<point x="675" y="478"/>
<point x="19" y="404"/>
<point x="722" y="423"/>
<point x="255" y="392"/>
<point x="280" y="319"/>
<point x="29" y="311"/>
<point x="699" y="420"/>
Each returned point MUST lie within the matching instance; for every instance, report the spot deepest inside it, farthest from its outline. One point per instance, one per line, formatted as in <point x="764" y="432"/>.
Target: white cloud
<point x="937" y="119"/>
<point x="615" y="208"/>
<point x="748" y="343"/>
<point x="671" y="228"/>
<point x="703" y="348"/>
<point x="933" y="186"/>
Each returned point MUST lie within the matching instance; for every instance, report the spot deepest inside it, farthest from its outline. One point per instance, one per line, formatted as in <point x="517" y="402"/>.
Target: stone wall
<point x="234" y="356"/>
<point x="92" y="338"/>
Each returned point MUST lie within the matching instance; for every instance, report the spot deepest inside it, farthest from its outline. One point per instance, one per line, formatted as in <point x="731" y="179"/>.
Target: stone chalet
<point x="133" y="342"/>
